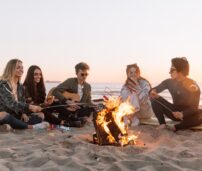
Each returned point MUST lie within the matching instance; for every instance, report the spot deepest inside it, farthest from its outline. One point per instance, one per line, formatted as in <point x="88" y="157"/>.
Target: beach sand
<point x="53" y="150"/>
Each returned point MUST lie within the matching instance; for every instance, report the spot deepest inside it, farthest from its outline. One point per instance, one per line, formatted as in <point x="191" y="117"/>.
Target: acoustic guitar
<point x="67" y="95"/>
<point x="97" y="103"/>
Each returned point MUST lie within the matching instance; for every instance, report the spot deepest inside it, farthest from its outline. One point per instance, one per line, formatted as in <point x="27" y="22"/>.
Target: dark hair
<point x="181" y="64"/>
<point x="81" y="66"/>
<point x="38" y="92"/>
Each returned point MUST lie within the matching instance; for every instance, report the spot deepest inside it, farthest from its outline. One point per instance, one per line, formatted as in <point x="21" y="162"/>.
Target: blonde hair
<point x="9" y="69"/>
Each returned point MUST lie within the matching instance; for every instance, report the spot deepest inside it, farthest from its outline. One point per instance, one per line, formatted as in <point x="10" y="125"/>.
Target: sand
<point x="54" y="150"/>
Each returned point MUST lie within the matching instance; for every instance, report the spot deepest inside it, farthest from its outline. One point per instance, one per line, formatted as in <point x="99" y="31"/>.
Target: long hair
<point x="9" y="70"/>
<point x="129" y="81"/>
<point x="38" y="92"/>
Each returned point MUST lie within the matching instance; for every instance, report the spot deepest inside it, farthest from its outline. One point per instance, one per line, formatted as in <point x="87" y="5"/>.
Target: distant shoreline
<point x="48" y="81"/>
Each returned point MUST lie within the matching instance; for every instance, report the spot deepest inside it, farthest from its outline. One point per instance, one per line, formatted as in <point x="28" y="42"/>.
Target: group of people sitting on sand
<point x="27" y="105"/>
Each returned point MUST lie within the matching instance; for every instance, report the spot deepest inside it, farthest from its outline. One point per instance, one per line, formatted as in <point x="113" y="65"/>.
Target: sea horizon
<point x="113" y="89"/>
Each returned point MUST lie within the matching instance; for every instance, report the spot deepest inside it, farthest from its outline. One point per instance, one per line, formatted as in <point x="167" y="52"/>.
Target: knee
<point x="3" y="115"/>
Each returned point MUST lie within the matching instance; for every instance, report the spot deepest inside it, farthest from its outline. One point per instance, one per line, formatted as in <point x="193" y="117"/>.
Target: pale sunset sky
<point x="106" y="34"/>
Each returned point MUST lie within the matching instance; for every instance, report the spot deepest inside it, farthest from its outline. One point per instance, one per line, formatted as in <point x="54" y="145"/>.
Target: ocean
<point x="108" y="89"/>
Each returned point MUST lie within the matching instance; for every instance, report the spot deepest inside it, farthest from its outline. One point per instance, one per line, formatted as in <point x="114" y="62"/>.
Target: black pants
<point x="85" y="111"/>
<point x="13" y="122"/>
<point x="63" y="113"/>
<point x="82" y="112"/>
<point x="162" y="107"/>
<point x="67" y="115"/>
<point x="49" y="117"/>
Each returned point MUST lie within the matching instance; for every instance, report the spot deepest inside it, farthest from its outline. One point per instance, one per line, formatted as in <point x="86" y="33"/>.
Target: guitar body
<point x="67" y="95"/>
<point x="72" y="96"/>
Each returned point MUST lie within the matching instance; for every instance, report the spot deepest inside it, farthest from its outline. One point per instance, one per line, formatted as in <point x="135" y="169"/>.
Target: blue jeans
<point x="13" y="122"/>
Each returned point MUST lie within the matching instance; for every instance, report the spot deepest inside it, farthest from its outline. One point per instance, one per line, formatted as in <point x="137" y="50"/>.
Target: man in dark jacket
<point x="76" y="89"/>
<point x="185" y="94"/>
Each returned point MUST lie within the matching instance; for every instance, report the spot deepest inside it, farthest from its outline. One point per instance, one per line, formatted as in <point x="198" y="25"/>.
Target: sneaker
<point x="5" y="128"/>
<point x="42" y="125"/>
<point x="64" y="128"/>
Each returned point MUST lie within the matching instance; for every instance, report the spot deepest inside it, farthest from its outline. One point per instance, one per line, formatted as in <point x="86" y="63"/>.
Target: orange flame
<point x="119" y="110"/>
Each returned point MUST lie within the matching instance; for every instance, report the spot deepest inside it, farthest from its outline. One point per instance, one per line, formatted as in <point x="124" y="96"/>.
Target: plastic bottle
<point x="63" y="128"/>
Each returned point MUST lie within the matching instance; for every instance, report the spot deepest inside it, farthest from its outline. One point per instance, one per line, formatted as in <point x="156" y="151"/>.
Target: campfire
<point x="110" y="126"/>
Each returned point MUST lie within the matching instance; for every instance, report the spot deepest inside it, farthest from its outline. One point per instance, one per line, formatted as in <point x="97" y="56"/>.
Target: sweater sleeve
<point x="145" y="88"/>
<point x="162" y="86"/>
<point x="9" y="102"/>
<point x="143" y="92"/>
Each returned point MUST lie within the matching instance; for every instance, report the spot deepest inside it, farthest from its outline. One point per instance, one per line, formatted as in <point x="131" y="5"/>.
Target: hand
<point x="178" y="115"/>
<point x="40" y="115"/>
<point x="73" y="107"/>
<point x="35" y="109"/>
<point x="49" y="100"/>
<point x="24" y="117"/>
<point x="153" y="94"/>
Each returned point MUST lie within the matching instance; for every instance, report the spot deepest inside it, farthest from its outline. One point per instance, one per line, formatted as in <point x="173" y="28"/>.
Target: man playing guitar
<point x="75" y="90"/>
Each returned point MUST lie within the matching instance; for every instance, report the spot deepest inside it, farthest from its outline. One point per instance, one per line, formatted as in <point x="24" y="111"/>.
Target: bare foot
<point x="162" y="126"/>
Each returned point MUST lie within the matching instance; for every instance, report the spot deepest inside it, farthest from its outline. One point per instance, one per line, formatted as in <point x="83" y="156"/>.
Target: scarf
<point x="131" y="84"/>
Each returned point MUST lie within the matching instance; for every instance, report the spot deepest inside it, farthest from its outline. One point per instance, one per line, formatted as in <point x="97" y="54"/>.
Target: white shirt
<point x="80" y="90"/>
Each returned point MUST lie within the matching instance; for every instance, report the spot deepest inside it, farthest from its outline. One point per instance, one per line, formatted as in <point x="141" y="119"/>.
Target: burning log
<point x="114" y="129"/>
<point x="109" y="125"/>
<point x="103" y="137"/>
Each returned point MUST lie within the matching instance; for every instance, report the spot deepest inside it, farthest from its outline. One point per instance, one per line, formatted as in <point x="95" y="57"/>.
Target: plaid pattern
<point x="131" y="85"/>
<point x="8" y="102"/>
<point x="137" y="93"/>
